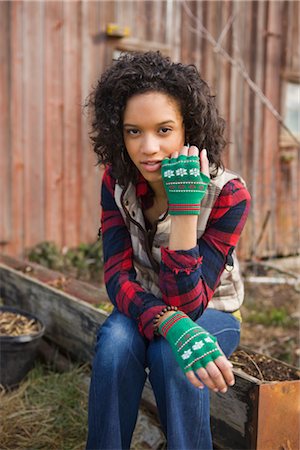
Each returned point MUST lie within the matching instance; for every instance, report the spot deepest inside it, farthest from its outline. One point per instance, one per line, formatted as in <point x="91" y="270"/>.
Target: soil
<point x="263" y="367"/>
<point x="271" y="314"/>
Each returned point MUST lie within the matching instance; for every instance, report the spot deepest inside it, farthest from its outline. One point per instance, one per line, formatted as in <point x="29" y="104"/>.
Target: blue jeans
<point x="119" y="375"/>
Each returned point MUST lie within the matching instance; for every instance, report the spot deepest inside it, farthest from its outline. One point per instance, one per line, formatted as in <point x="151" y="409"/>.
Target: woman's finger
<point x="193" y="151"/>
<point x="226" y="368"/>
<point x="204" y="163"/>
<point x="184" y="150"/>
<point x="206" y="379"/>
<point x="216" y="376"/>
<point x="194" y="380"/>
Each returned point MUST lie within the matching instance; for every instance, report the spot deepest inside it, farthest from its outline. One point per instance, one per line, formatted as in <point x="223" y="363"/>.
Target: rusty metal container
<point x="257" y="415"/>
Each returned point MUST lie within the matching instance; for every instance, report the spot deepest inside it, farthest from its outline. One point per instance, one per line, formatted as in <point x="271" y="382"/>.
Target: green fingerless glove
<point x="193" y="346"/>
<point x="185" y="185"/>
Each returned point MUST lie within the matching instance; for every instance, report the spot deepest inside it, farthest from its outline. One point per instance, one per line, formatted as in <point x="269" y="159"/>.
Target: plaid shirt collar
<point x="144" y="192"/>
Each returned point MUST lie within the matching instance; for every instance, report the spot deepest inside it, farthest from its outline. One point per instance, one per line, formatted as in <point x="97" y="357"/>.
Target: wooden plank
<point x="176" y="29"/>
<point x="288" y="185"/>
<point x="5" y="131"/>
<point x="256" y="218"/>
<point x="248" y="60"/>
<point x="205" y="46"/>
<point x="198" y="58"/>
<point x="16" y="246"/>
<point x="159" y="22"/>
<point x="271" y="129"/>
<point x="234" y="99"/>
<point x="72" y="112"/>
<point x="186" y="34"/>
<point x="70" y="322"/>
<point x="210" y="62"/>
<point x="54" y="121"/>
<point x="223" y="87"/>
<point x="234" y="415"/>
<point x="90" y="175"/>
<point x="85" y="291"/>
<point x="33" y="122"/>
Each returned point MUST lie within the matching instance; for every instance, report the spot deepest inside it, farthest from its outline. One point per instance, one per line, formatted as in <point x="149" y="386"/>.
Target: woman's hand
<point x="197" y="352"/>
<point x="183" y="233"/>
<point x="185" y="179"/>
<point x="217" y="375"/>
<point x="194" y="151"/>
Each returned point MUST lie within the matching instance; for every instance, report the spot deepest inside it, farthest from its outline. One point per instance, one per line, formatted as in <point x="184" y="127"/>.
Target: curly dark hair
<point x="136" y="73"/>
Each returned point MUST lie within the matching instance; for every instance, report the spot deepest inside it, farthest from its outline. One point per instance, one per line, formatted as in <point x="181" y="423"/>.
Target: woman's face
<point x="153" y="129"/>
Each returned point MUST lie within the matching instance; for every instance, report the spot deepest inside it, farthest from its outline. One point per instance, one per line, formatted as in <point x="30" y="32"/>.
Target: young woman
<point x="171" y="218"/>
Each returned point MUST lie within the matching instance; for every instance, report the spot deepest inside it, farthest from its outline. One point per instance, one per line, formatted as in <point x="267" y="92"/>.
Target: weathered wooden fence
<point x="51" y="53"/>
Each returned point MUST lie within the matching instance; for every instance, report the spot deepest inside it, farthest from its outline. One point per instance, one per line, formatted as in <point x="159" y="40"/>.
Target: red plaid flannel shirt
<point x="187" y="278"/>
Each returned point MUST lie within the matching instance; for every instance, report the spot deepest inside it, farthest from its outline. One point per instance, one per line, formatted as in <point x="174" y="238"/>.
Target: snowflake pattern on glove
<point x="181" y="172"/>
<point x="194" y="172"/>
<point x="169" y="173"/>
<point x="186" y="354"/>
<point x="198" y="345"/>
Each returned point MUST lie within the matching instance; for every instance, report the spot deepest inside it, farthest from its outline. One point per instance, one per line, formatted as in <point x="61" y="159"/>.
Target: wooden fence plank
<point x="54" y="120"/>
<point x="5" y="132"/>
<point x="271" y="129"/>
<point x="16" y="118"/>
<point x="223" y="87"/>
<point x="33" y="122"/>
<point x="90" y="175"/>
<point x="71" y="124"/>
<point x="255" y="182"/>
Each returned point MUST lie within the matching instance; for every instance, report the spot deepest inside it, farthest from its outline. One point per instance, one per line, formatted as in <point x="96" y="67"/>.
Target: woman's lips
<point x="151" y="166"/>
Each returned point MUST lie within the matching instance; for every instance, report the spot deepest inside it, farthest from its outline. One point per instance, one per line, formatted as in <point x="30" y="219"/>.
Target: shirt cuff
<point x="181" y="260"/>
<point x="145" y="323"/>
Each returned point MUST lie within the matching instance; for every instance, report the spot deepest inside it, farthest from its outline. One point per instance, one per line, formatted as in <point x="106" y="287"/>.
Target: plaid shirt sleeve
<point x="187" y="279"/>
<point x="126" y="294"/>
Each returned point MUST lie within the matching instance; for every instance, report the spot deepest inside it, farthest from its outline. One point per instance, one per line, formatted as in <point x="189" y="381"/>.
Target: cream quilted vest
<point x="229" y="294"/>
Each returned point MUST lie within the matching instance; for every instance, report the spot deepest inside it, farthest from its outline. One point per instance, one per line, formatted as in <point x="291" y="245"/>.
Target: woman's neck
<point x="159" y="192"/>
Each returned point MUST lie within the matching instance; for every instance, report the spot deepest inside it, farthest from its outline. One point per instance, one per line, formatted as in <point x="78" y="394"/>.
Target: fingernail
<point x="224" y="390"/>
<point x="216" y="390"/>
<point x="232" y="383"/>
<point x="201" y="387"/>
<point x="204" y="152"/>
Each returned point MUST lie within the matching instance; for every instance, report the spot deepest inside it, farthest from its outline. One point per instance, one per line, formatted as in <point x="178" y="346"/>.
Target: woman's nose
<point x="150" y="145"/>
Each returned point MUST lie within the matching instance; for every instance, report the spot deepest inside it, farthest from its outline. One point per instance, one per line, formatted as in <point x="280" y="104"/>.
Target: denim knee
<point x="118" y="342"/>
<point x="224" y="326"/>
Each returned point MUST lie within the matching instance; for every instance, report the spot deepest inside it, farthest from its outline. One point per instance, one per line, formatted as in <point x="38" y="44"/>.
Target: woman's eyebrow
<point x="160" y="123"/>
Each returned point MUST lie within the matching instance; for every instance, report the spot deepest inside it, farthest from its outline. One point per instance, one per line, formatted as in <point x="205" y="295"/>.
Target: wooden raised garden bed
<point x="254" y="414"/>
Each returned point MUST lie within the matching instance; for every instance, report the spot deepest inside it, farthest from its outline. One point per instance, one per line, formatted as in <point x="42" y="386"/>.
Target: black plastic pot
<point x="17" y="353"/>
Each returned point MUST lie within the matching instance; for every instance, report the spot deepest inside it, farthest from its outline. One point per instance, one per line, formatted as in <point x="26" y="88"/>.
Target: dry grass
<point x="47" y="411"/>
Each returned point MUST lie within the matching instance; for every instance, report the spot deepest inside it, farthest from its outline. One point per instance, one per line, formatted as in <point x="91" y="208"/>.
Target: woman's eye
<point x="165" y="130"/>
<point x="132" y="131"/>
